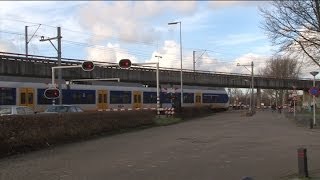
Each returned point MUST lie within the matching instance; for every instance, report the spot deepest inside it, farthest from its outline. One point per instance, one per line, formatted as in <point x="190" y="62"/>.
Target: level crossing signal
<point x="125" y="63"/>
<point x="87" y="66"/>
<point x="52" y="93"/>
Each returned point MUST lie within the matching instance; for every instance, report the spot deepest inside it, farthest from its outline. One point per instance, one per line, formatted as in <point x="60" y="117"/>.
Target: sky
<point x="222" y="33"/>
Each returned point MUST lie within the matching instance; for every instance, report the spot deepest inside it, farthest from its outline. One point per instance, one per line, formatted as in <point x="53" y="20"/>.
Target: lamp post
<point x="158" y="93"/>
<point x="314" y="73"/>
<point x="181" y="82"/>
<point x="252" y="82"/>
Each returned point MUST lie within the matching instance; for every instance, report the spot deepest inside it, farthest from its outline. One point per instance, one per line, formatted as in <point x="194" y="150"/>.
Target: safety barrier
<point x="126" y="109"/>
<point x="169" y="111"/>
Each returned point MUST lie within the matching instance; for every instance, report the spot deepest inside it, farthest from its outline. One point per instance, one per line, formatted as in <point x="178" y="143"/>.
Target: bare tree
<point x="294" y="25"/>
<point x="280" y="67"/>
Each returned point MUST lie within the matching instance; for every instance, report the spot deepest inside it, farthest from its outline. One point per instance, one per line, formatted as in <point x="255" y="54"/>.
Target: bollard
<point x="302" y="163"/>
<point x="311" y="124"/>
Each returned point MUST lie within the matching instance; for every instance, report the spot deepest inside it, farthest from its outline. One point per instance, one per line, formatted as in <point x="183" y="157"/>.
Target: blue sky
<point x="229" y="31"/>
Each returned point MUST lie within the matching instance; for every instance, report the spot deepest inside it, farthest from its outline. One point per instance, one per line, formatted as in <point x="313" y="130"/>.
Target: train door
<point x="136" y="99"/>
<point x="102" y="99"/>
<point x="198" y="99"/>
<point x="26" y="97"/>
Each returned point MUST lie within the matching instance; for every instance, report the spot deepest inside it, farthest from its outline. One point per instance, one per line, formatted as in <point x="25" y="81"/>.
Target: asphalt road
<point x="223" y="146"/>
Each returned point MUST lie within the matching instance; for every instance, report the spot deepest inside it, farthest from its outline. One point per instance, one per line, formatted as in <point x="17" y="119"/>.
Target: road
<point x="223" y="146"/>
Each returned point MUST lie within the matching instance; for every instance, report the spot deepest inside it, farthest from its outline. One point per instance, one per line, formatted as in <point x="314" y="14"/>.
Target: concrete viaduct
<point x="12" y="64"/>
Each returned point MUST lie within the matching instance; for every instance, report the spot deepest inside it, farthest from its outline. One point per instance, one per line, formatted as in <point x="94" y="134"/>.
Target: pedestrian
<point x="273" y="108"/>
<point x="279" y="109"/>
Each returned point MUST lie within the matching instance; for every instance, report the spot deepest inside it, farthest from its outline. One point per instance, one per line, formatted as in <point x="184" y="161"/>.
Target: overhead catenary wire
<point x="94" y="35"/>
<point x="117" y="49"/>
<point x="134" y="52"/>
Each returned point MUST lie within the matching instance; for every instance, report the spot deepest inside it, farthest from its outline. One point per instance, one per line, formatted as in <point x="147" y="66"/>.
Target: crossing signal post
<point x="87" y="66"/>
<point x="125" y="63"/>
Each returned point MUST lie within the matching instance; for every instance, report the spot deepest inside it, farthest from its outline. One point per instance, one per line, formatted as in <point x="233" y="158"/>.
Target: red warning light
<point x="125" y="63"/>
<point x="87" y="66"/>
<point x="52" y="93"/>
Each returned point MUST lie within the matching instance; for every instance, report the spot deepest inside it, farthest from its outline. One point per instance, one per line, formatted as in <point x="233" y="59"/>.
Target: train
<point x="105" y="96"/>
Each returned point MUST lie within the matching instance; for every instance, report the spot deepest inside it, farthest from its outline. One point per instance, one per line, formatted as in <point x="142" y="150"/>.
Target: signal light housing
<point x="87" y="66"/>
<point x="125" y="63"/>
<point x="53" y="93"/>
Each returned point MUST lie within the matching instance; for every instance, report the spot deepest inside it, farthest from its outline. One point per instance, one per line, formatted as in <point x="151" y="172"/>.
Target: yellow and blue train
<point x="107" y="95"/>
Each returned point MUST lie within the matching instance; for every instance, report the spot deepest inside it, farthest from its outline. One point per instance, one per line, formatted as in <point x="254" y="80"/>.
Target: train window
<point x="188" y="97"/>
<point x="209" y="98"/>
<point x="120" y="97"/>
<point x="75" y="98"/>
<point x="90" y="99"/>
<point x="23" y="98"/>
<point x="168" y="97"/>
<point x="139" y="98"/>
<point x="100" y="98"/>
<point x="80" y="97"/>
<point x="7" y="96"/>
<point x="149" y="97"/>
<point x="30" y="98"/>
<point x="223" y="98"/>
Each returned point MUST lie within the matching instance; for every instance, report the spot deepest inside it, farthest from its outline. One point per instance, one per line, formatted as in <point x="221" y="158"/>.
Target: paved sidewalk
<point x="226" y="145"/>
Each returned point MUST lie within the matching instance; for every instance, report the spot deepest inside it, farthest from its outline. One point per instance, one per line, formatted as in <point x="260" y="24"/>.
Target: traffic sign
<point x="314" y="91"/>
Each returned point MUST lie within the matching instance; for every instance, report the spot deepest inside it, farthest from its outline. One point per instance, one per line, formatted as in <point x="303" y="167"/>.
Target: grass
<point x="164" y="121"/>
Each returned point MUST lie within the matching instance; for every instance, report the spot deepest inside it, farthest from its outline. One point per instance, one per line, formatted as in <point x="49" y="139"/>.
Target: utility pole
<point x="58" y="49"/>
<point x="59" y="62"/>
<point x="194" y="61"/>
<point x="252" y="94"/>
<point x="26" y="39"/>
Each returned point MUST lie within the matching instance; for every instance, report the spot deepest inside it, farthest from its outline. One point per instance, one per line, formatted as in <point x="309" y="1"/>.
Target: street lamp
<point x="173" y="23"/>
<point x="158" y="93"/>
<point x="314" y="73"/>
<point x="251" y="83"/>
<point x="158" y="57"/>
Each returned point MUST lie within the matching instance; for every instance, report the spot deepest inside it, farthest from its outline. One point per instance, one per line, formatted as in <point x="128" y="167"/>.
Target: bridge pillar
<point x="306" y="100"/>
<point x="258" y="97"/>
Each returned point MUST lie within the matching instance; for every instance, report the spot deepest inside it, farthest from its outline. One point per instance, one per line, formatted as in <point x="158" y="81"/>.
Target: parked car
<point x="62" y="109"/>
<point x="15" y="110"/>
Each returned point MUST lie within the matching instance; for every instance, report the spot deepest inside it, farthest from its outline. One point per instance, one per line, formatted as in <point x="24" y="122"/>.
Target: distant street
<point x="226" y="145"/>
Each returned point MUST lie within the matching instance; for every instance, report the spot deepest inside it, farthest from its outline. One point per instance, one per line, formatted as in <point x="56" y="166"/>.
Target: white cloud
<point x="259" y="62"/>
<point x="109" y="53"/>
<point x="170" y="53"/>
<point x="226" y="4"/>
<point x="129" y="21"/>
<point x="7" y="46"/>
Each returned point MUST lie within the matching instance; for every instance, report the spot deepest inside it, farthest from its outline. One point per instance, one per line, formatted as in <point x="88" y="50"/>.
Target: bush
<point x="22" y="133"/>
